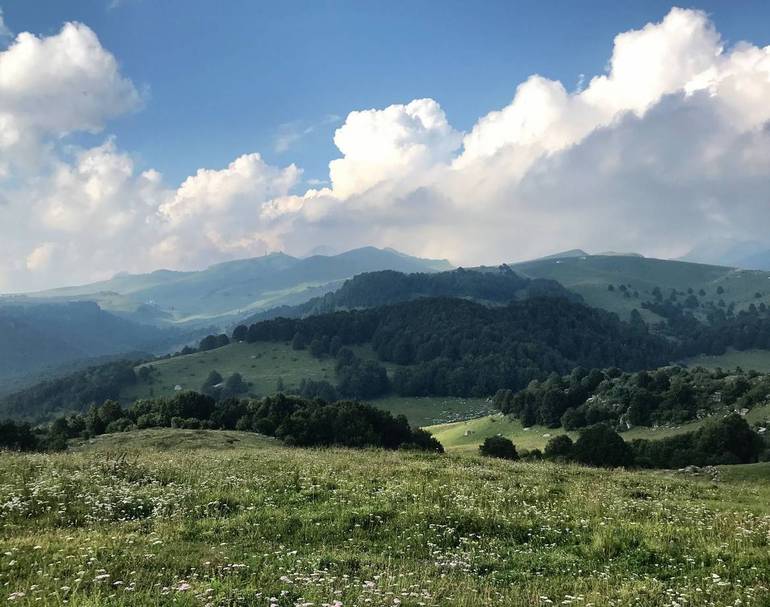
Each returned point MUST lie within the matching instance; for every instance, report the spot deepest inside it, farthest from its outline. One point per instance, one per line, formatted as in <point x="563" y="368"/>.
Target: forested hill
<point x="37" y="336"/>
<point x="371" y="289"/>
<point x="458" y="347"/>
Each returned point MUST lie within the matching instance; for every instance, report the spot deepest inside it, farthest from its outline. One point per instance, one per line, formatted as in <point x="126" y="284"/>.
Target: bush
<point x="601" y="446"/>
<point x="498" y="446"/>
<point x="560" y="446"/>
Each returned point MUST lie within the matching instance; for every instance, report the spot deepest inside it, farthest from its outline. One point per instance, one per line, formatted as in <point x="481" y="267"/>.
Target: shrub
<point x="560" y="446"/>
<point x="600" y="445"/>
<point x="498" y="446"/>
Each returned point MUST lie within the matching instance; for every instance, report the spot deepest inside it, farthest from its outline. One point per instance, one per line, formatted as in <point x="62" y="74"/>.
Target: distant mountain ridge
<point x="497" y="286"/>
<point x="230" y="289"/>
<point x="39" y="336"/>
<point x="747" y="255"/>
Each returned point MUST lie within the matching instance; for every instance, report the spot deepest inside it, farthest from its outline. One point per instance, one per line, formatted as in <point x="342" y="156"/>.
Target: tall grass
<point x="268" y="525"/>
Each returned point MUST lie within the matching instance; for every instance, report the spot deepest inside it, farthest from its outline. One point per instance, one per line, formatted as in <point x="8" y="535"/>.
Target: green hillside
<point x="207" y="523"/>
<point x="489" y="286"/>
<point x="756" y="360"/>
<point x="263" y="364"/>
<point x="591" y="275"/>
<point x="171" y="439"/>
<point x="467" y="435"/>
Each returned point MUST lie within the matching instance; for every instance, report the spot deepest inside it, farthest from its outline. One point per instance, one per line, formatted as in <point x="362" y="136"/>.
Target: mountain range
<point x="747" y="255"/>
<point x="231" y="290"/>
<point x="35" y="337"/>
<point x="164" y="310"/>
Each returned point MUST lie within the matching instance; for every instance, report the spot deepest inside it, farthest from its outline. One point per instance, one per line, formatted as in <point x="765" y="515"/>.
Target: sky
<point x="136" y="135"/>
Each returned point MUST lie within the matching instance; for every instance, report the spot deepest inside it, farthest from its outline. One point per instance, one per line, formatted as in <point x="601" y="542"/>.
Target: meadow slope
<point x="263" y="524"/>
<point x="591" y="275"/>
<point x="263" y="364"/>
<point x="467" y="435"/>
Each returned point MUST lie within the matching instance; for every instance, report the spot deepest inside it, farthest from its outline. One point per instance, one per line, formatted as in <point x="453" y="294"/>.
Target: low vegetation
<point x="262" y="524"/>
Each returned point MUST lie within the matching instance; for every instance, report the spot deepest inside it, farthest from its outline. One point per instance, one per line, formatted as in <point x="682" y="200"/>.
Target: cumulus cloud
<point x="55" y="85"/>
<point x="62" y="83"/>
<point x="669" y="147"/>
<point x="399" y="142"/>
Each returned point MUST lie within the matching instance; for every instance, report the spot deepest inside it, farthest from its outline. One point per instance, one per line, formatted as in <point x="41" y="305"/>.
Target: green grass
<point x="262" y="364"/>
<point x="589" y="276"/>
<point x="431" y="410"/>
<point x="756" y="360"/>
<point x="466" y="436"/>
<point x="169" y="439"/>
<point x="753" y="473"/>
<point x="227" y="527"/>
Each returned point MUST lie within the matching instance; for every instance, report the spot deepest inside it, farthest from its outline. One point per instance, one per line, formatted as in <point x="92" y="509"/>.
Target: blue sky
<point x="227" y="78"/>
<point x="138" y="134"/>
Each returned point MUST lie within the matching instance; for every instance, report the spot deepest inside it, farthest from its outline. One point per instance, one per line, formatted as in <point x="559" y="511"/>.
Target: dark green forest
<point x="371" y="289"/>
<point x="665" y="396"/>
<point x="458" y="347"/>
<point x="294" y="420"/>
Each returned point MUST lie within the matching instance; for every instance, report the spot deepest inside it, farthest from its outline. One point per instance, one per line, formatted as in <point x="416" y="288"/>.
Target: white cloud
<point x="290" y="133"/>
<point x="395" y="143"/>
<point x="52" y="86"/>
<point x="40" y="257"/>
<point x="62" y="83"/>
<point x="669" y="147"/>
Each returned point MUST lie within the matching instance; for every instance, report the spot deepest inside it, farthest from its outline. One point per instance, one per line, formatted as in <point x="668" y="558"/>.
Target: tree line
<point x="720" y="441"/>
<point x="497" y="285"/>
<point x="73" y="392"/>
<point x="665" y="396"/>
<point x="294" y="420"/>
<point x="455" y="347"/>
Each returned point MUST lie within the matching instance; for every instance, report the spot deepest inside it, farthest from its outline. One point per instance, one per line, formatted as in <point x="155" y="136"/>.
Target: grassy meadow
<point x="467" y="435"/>
<point x="230" y="519"/>
<point x="591" y="275"/>
<point x="263" y="364"/>
<point x="748" y="360"/>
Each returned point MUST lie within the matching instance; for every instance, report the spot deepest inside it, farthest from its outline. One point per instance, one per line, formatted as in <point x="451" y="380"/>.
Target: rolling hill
<point x="748" y="255"/>
<point x="438" y="347"/>
<point x="592" y="275"/>
<point x="489" y="286"/>
<point x="228" y="291"/>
